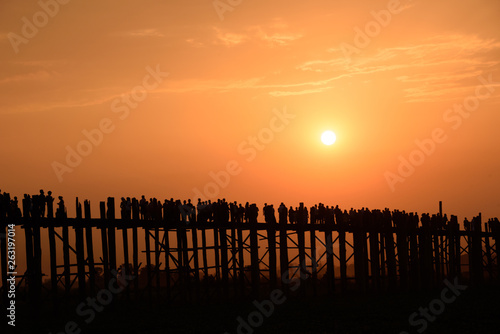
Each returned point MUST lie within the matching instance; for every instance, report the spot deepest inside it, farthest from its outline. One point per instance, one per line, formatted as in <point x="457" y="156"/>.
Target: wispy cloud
<point x="31" y="76"/>
<point x="227" y="38"/>
<point x="444" y="63"/>
<point x="142" y="33"/>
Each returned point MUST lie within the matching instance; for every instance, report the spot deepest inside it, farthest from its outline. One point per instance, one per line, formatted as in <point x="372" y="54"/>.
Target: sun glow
<point x="328" y="137"/>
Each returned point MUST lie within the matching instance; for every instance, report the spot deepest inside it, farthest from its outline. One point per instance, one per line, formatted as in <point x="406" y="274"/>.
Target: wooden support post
<point x="66" y="259"/>
<point x="90" y="247"/>
<point x="224" y="259"/>
<point x="401" y="223"/>
<point x="104" y="239"/>
<point x="302" y="258"/>
<point x="3" y="256"/>
<point x="414" y="267"/>
<point x="330" y="265"/>
<point x="389" y="250"/>
<point x="241" y="261"/>
<point x="205" y="259"/>
<point x="314" y="263"/>
<point x="166" y="243"/>
<point x="111" y="233"/>
<point x="80" y="249"/>
<point x="458" y="250"/>
<point x="126" y="270"/>
<point x="37" y="257"/>
<point x="425" y="243"/>
<point x="28" y="233"/>
<point x="452" y="239"/>
<point x="53" y="265"/>
<point x="254" y="256"/>
<point x="437" y="252"/>
<point x="135" y="244"/>
<point x="374" y="254"/>
<point x="216" y="253"/>
<point x="489" y="262"/>
<point x="284" y="270"/>
<point x="271" y="243"/>
<point x="196" y="264"/>
<point x="148" y="260"/>
<point x="476" y="252"/>
<point x="234" y="255"/>
<point x="157" y="257"/>
<point x="359" y="236"/>
<point x="343" y="258"/>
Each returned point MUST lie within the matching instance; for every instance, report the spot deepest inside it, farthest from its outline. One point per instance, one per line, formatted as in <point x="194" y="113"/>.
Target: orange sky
<point x="408" y="71"/>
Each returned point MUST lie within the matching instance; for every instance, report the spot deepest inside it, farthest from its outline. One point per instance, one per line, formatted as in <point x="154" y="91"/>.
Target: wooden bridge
<point x="191" y="260"/>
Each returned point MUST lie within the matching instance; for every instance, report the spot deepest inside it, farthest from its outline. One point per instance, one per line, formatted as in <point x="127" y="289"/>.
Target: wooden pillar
<point x="90" y="247"/>
<point x="401" y="223"/>
<point x="104" y="240"/>
<point x="135" y="244"/>
<point x="343" y="258"/>
<point x="284" y="270"/>
<point x="156" y="240"/>
<point x="389" y="250"/>
<point x="314" y="263"/>
<point x="476" y="252"/>
<point x="374" y="255"/>
<point x="216" y="253"/>
<point x="452" y="239"/>
<point x="148" y="259"/>
<point x="359" y="238"/>
<point x="53" y="264"/>
<point x="166" y="243"/>
<point x="111" y="233"/>
<point x="126" y="270"/>
<point x="205" y="259"/>
<point x="489" y="262"/>
<point x="80" y="249"/>
<point x="241" y="260"/>
<point x="3" y="255"/>
<point x="234" y="255"/>
<point x="224" y="259"/>
<point x="302" y="258"/>
<point x="196" y="264"/>
<point x="271" y="243"/>
<point x="37" y="257"/>
<point x="414" y="267"/>
<point x="330" y="265"/>
<point x="66" y="258"/>
<point x="254" y="256"/>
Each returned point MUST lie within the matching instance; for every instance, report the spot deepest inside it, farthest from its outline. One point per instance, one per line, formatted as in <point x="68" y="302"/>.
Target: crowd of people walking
<point x="176" y="211"/>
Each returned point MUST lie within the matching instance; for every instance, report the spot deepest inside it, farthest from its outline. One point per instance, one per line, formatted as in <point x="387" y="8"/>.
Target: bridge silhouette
<point x="220" y="251"/>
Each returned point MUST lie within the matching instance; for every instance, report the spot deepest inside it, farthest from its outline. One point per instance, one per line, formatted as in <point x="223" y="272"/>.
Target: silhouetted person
<point x="123" y="205"/>
<point x="61" y="210"/>
<point x="143" y="204"/>
<point x="292" y="216"/>
<point x="26" y="206"/>
<point x="41" y="203"/>
<point x="283" y="214"/>
<point x="50" y="204"/>
<point x="269" y="214"/>
<point x="302" y="214"/>
<point x="467" y="224"/>
<point x="128" y="208"/>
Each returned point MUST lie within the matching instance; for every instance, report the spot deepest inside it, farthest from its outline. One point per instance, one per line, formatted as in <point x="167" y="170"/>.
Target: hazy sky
<point x="251" y="85"/>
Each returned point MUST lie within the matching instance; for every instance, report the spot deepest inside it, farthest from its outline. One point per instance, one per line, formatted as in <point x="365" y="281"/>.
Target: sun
<point x="328" y="137"/>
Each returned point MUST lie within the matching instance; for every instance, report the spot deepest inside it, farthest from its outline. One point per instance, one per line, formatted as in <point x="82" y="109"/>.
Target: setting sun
<point x="328" y="137"/>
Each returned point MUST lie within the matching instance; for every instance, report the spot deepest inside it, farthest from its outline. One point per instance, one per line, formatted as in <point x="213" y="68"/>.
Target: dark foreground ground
<point x="474" y="311"/>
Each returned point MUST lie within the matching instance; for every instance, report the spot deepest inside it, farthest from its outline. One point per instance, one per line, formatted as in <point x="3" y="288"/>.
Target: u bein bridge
<point x="191" y="257"/>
